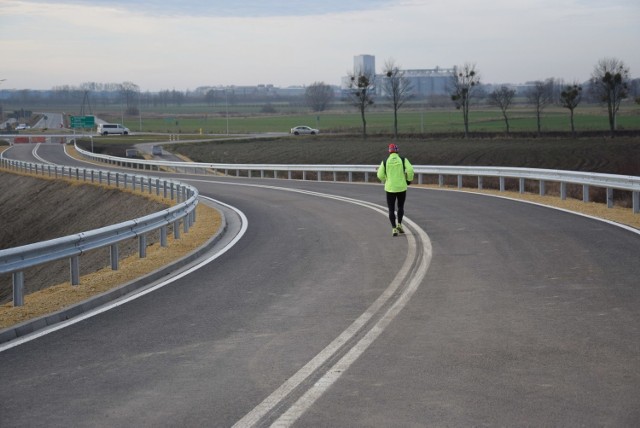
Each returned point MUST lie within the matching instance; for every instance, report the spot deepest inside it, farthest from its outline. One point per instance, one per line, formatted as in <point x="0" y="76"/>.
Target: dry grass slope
<point x="96" y="278"/>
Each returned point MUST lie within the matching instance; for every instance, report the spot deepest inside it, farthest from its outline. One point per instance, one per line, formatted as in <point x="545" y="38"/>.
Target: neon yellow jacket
<point x="391" y="175"/>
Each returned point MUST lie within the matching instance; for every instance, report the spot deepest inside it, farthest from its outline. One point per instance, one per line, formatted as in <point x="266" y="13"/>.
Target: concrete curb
<point x="36" y="324"/>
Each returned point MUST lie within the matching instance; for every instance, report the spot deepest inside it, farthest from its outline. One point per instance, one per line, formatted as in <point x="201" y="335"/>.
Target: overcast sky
<point x="185" y="44"/>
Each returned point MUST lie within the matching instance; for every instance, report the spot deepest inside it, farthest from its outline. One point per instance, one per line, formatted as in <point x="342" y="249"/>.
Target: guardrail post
<point x="304" y="175"/>
<point x="157" y="187"/>
<point x="176" y="229"/>
<point x="419" y="178"/>
<point x="163" y="236"/>
<point x="114" y="253"/>
<point x="609" y="197"/>
<point x="142" y="246"/>
<point x="185" y="224"/>
<point x="75" y="270"/>
<point x="585" y="193"/>
<point x="18" y="288"/>
<point x="440" y="180"/>
<point x="635" y="196"/>
<point x="366" y="177"/>
<point x="117" y="179"/>
<point x="521" y="185"/>
<point x="563" y="190"/>
<point x="92" y="173"/>
<point x="350" y="176"/>
<point x="289" y="175"/>
<point x="149" y="184"/>
<point x="502" y="184"/>
<point x="543" y="189"/>
<point x="480" y="182"/>
<point x="459" y="182"/>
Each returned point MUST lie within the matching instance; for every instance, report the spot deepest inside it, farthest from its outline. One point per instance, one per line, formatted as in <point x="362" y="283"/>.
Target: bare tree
<point x="130" y="93"/>
<point x="463" y="83"/>
<point x="570" y="97"/>
<point x="540" y="95"/>
<point x="396" y="88"/>
<point x="503" y="98"/>
<point x="210" y="97"/>
<point x="318" y="96"/>
<point x="361" y="90"/>
<point x="610" y="85"/>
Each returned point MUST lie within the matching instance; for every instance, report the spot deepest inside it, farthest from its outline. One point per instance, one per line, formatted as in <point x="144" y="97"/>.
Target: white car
<point x="304" y="130"/>
<point x="112" y="128"/>
<point x="22" y="126"/>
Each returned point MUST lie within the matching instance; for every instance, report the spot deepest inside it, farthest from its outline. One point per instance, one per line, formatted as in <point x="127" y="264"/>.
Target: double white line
<point x="408" y="279"/>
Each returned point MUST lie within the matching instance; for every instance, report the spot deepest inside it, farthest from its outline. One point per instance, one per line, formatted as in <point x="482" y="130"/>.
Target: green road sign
<point x="83" y="121"/>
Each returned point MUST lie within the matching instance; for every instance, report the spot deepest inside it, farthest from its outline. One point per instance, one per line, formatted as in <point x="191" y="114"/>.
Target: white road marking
<point x="275" y="398"/>
<point x="34" y="152"/>
<point x="333" y="374"/>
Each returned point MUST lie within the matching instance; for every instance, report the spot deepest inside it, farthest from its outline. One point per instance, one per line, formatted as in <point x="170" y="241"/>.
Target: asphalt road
<point x="501" y="314"/>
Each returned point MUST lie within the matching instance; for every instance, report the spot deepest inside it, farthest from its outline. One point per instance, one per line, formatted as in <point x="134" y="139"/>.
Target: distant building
<point x="424" y="82"/>
<point x="364" y="64"/>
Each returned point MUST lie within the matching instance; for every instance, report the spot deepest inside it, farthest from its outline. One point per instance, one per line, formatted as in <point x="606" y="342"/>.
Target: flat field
<point x="379" y="120"/>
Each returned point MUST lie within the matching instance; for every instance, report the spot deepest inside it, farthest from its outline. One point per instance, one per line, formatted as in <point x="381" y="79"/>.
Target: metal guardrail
<point x="16" y="260"/>
<point x="610" y="182"/>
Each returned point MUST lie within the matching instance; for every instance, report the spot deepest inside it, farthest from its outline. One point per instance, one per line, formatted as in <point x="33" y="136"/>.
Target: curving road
<point x="506" y="314"/>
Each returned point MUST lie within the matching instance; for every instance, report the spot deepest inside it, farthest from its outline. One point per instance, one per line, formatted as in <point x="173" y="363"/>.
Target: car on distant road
<point x="298" y="130"/>
<point x="112" y="128"/>
<point x="22" y="126"/>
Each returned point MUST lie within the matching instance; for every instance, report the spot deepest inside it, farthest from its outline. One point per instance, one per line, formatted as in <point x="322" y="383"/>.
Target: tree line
<point x="610" y="84"/>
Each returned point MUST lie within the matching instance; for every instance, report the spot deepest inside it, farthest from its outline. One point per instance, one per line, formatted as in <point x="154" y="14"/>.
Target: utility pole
<point x="1" y="109"/>
<point x="85" y="109"/>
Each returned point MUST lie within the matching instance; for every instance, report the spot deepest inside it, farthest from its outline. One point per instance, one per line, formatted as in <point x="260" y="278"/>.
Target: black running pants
<point x="391" y="204"/>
